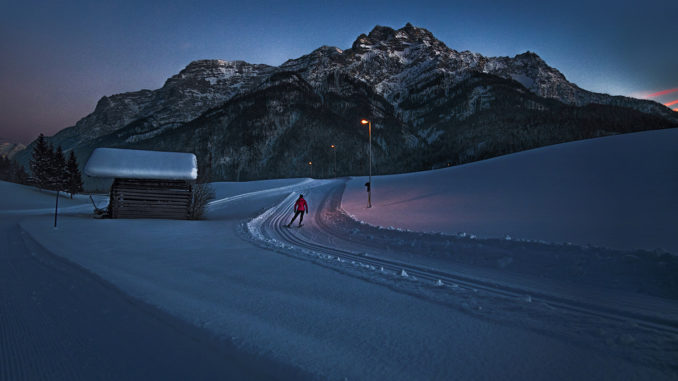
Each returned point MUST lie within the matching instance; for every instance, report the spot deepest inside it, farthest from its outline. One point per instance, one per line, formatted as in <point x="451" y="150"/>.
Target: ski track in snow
<point x="640" y="323"/>
<point x="222" y="202"/>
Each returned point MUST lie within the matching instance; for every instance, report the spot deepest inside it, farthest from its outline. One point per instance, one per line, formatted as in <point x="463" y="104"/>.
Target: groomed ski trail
<point x="323" y="242"/>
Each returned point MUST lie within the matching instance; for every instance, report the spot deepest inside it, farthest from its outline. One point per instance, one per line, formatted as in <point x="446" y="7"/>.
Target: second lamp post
<point x="369" y="182"/>
<point x="334" y="149"/>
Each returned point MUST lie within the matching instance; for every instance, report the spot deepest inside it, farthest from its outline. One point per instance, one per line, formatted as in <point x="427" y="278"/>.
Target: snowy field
<point x="619" y="192"/>
<point x="340" y="299"/>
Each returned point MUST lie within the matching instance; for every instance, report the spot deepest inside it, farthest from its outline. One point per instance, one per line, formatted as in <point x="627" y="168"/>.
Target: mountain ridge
<point x="9" y="149"/>
<point x="404" y="79"/>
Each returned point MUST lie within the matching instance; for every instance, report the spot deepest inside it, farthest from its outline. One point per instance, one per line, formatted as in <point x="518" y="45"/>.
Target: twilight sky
<point x="60" y="57"/>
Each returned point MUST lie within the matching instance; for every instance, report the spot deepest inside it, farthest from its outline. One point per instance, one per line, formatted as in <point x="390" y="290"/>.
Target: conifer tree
<point x="17" y="173"/>
<point x="12" y="171"/>
<point x="40" y="163"/>
<point x="73" y="174"/>
<point x="51" y="170"/>
<point x="5" y="168"/>
<point x="59" y="176"/>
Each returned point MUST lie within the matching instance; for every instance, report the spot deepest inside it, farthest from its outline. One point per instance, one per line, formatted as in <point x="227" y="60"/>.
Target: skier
<point x="299" y="208"/>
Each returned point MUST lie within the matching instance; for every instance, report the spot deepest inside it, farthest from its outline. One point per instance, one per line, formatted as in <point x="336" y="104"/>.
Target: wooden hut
<point x="147" y="184"/>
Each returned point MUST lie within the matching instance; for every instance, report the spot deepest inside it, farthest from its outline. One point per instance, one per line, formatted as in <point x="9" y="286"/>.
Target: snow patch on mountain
<point x="430" y="134"/>
<point x="8" y="150"/>
<point x="523" y="79"/>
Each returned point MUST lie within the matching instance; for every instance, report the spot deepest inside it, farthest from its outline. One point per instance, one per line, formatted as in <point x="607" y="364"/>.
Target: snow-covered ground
<point x="340" y="299"/>
<point x="620" y="192"/>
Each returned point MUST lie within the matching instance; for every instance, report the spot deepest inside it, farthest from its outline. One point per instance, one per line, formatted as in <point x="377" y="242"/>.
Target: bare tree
<point x="202" y="194"/>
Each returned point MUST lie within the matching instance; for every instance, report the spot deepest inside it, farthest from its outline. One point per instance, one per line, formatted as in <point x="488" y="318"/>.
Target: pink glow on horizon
<point x="660" y="93"/>
<point x="671" y="103"/>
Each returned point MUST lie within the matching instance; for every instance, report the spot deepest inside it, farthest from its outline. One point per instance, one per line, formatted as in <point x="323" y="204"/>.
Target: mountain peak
<point x="415" y="33"/>
<point x="202" y="65"/>
<point x="384" y="35"/>
<point x="529" y="56"/>
<point x="381" y="33"/>
<point x="326" y="49"/>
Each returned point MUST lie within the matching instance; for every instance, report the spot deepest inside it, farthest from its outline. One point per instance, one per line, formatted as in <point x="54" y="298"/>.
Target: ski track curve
<point x="270" y="230"/>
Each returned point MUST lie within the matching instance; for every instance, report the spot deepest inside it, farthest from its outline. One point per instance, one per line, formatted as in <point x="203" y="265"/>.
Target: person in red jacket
<point x="299" y="208"/>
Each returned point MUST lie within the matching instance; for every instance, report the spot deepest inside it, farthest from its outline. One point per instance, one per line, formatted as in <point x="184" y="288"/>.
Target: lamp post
<point x="310" y="165"/>
<point x="334" y="149"/>
<point x="56" y="209"/>
<point x="369" y="182"/>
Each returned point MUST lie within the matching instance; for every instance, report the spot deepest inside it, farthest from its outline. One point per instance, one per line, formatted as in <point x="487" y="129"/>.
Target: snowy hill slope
<point x="325" y="320"/>
<point x="23" y="199"/>
<point x="338" y="318"/>
<point x="618" y="192"/>
<point x="336" y="297"/>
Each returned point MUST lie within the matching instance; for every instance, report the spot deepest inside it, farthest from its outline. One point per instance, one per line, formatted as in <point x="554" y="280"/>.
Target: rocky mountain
<point x="395" y="61"/>
<point x="8" y="149"/>
<point x="200" y="86"/>
<point x="429" y="105"/>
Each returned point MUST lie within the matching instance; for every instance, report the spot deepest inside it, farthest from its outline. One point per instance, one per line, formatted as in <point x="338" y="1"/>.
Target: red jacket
<point x="300" y="205"/>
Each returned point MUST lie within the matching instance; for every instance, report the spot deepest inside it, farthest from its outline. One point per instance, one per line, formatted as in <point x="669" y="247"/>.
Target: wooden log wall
<point x="139" y="198"/>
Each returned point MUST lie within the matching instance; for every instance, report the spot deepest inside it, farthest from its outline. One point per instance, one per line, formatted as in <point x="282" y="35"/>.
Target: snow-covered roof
<point x="138" y="164"/>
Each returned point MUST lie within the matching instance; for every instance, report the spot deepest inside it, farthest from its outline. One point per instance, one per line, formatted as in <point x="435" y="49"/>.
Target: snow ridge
<point x="255" y="225"/>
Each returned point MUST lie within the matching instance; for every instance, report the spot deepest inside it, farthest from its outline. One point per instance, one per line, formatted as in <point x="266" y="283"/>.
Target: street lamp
<point x="310" y="165"/>
<point x="369" y="182"/>
<point x="334" y="148"/>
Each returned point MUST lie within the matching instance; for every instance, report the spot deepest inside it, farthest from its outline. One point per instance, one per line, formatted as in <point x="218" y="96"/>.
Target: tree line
<point x="52" y="171"/>
<point x="12" y="171"/>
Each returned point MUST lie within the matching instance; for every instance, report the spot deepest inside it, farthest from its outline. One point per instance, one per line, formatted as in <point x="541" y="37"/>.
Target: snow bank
<point x="227" y="189"/>
<point x="227" y="192"/>
<point x="22" y="199"/>
<point x="619" y="192"/>
<point x="137" y="164"/>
